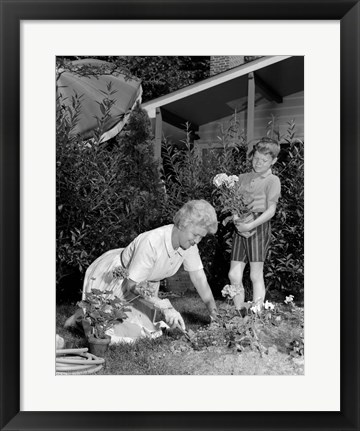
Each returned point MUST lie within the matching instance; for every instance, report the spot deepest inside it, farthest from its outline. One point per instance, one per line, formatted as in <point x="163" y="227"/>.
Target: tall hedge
<point x="106" y="195"/>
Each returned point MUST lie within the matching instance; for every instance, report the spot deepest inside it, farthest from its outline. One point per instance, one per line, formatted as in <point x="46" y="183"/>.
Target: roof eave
<point x="241" y="70"/>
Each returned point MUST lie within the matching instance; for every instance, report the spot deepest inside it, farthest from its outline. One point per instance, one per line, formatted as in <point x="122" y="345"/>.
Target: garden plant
<point x="102" y="311"/>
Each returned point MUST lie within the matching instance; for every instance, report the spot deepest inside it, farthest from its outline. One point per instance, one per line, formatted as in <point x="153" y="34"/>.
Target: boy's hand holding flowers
<point x="234" y="199"/>
<point x="244" y="228"/>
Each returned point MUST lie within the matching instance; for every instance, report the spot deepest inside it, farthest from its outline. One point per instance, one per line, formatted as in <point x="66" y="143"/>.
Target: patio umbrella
<point x="93" y="89"/>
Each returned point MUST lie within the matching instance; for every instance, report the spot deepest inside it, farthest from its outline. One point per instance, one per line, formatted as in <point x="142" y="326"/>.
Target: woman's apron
<point x="141" y="317"/>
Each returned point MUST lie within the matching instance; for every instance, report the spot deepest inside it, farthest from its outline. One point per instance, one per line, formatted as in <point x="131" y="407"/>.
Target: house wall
<point x="291" y="108"/>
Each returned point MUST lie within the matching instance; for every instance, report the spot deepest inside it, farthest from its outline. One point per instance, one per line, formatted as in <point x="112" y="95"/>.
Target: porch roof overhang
<point x="218" y="96"/>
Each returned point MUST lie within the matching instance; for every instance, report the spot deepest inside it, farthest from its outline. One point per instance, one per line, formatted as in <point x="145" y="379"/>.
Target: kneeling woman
<point x="149" y="258"/>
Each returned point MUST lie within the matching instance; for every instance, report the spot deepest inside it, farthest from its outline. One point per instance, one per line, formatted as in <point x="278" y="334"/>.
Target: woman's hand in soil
<point x="215" y="316"/>
<point x="174" y="319"/>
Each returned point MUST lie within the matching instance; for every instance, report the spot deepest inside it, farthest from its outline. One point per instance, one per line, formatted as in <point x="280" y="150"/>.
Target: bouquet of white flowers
<point x="234" y="199"/>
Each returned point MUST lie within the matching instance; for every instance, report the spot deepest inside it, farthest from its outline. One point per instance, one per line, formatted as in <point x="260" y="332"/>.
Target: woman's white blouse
<point x="151" y="256"/>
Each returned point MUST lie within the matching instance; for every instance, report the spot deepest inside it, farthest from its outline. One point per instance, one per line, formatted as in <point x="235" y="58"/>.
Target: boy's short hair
<point x="267" y="146"/>
<point x="199" y="213"/>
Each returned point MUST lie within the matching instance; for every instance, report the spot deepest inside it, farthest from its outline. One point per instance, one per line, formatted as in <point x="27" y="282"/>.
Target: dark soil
<point x="269" y="344"/>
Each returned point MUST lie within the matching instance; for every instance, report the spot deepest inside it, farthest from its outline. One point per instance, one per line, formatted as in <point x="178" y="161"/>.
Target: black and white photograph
<point x="180" y="215"/>
<point x="172" y="257"/>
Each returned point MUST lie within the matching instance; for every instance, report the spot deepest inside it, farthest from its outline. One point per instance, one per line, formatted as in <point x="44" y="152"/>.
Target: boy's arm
<point x="265" y="216"/>
<point x="273" y="194"/>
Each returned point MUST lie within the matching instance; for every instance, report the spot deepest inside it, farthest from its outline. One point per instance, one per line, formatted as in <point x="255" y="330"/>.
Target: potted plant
<point x="234" y="199"/>
<point x="101" y="311"/>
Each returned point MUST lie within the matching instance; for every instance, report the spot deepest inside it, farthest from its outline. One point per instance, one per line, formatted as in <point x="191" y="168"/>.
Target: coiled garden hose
<point x="77" y="361"/>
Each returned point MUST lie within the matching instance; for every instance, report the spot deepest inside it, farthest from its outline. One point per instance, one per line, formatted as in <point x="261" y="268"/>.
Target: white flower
<point x="220" y="179"/>
<point x="231" y="180"/>
<point x="268" y="305"/>
<point x="256" y="308"/>
<point x="289" y="299"/>
<point x="231" y="291"/>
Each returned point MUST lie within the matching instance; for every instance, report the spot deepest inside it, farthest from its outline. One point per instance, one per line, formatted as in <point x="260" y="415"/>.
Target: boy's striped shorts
<point x="254" y="248"/>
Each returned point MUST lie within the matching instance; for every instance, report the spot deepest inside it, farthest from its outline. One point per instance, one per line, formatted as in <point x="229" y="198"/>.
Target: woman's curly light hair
<point x="198" y="213"/>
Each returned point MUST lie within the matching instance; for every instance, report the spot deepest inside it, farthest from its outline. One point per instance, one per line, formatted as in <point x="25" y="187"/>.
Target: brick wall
<point x="221" y="63"/>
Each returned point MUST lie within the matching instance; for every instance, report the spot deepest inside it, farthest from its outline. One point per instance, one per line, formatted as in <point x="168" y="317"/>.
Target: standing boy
<point x="249" y="246"/>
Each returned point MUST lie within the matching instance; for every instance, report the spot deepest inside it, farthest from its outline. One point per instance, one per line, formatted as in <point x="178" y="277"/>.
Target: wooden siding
<point x="292" y="108"/>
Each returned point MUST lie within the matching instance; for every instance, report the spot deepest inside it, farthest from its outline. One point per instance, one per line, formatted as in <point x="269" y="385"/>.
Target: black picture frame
<point x="12" y="12"/>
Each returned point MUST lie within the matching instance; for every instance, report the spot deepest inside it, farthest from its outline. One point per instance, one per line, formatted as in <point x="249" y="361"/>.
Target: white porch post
<point x="158" y="134"/>
<point x="250" y="108"/>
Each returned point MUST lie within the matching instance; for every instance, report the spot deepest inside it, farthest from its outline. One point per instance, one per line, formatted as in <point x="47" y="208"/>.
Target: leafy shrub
<point x="106" y="193"/>
<point x="284" y="269"/>
<point x="188" y="175"/>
